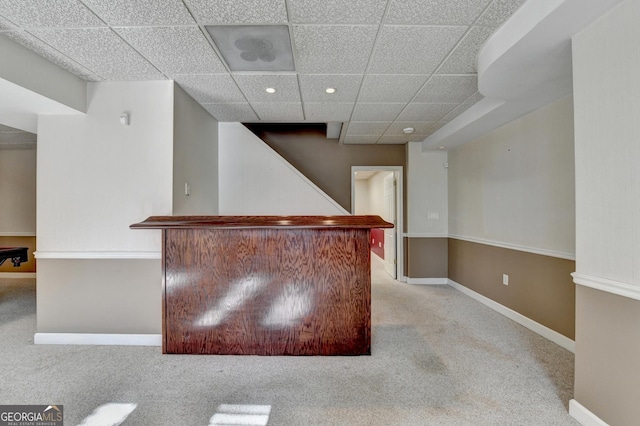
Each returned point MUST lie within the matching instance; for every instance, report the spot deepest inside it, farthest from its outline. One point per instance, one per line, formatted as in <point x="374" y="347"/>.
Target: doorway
<point x="377" y="190"/>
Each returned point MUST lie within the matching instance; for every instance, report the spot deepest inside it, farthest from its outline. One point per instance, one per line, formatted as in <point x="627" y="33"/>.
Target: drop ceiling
<point x="393" y="63"/>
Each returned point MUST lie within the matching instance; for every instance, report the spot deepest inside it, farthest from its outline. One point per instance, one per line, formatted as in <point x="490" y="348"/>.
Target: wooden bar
<point x="266" y="285"/>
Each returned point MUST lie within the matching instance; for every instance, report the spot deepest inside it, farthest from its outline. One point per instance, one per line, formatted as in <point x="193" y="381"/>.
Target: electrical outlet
<point x="505" y="279"/>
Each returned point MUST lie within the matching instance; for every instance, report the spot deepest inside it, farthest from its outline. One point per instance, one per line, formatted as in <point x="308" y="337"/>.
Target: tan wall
<point x="540" y="287"/>
<point x="607" y="347"/>
<point x="427" y="258"/>
<point x="99" y="296"/>
<point x="29" y="242"/>
<point x="326" y="162"/>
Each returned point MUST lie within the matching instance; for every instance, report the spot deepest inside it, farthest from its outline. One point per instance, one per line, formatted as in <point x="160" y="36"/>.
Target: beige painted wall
<point x="195" y="157"/>
<point x="17" y="191"/>
<point x="606" y="90"/>
<point x="427" y="257"/>
<point x="99" y="296"/>
<point x="515" y="185"/>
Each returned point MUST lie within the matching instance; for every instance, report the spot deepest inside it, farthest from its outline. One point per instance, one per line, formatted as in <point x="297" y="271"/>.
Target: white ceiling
<point x="393" y="63"/>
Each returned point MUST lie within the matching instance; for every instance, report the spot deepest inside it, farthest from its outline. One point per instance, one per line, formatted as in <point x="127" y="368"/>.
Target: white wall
<point x="515" y="185"/>
<point x="255" y="180"/>
<point x="97" y="177"/>
<point x="376" y="194"/>
<point x="427" y="191"/>
<point x="195" y="157"/>
<point x="608" y="146"/>
<point x="361" y="188"/>
<point x="17" y="191"/>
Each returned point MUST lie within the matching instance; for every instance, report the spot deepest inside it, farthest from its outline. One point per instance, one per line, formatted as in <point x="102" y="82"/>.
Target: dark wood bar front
<point x="266" y="285"/>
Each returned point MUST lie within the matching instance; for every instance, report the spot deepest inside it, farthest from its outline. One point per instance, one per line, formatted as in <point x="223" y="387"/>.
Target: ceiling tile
<point x="333" y="49"/>
<point x="399" y="139"/>
<point x="413" y="50"/>
<point x="6" y="25"/>
<point x="336" y="11"/>
<point x="440" y="12"/>
<point x="377" y="111"/>
<point x="279" y="111"/>
<point x="174" y="50"/>
<point x="237" y="112"/>
<point x="313" y="87"/>
<point x="100" y="50"/>
<point x="498" y="12"/>
<point x="417" y="111"/>
<point x="367" y="127"/>
<point x="360" y="139"/>
<point x="390" y="88"/>
<point x="254" y="87"/>
<point x="141" y="12"/>
<point x="448" y="88"/>
<point x="211" y="88"/>
<point x="324" y="112"/>
<point x="51" y="54"/>
<point x="17" y="137"/>
<point x="49" y="14"/>
<point x="463" y="58"/>
<point x="477" y="96"/>
<point x="421" y="127"/>
<point x="238" y="11"/>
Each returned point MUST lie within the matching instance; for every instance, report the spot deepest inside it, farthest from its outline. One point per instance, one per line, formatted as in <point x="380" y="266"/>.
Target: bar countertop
<point x="246" y="222"/>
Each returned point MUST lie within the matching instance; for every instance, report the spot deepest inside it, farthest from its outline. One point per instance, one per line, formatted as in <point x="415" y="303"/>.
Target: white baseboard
<point x="97" y="339"/>
<point x="427" y="281"/>
<point x="17" y="274"/>
<point x="532" y="325"/>
<point x="583" y="415"/>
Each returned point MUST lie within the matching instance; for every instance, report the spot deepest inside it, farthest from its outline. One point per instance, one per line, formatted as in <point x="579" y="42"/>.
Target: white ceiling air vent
<point x="254" y="47"/>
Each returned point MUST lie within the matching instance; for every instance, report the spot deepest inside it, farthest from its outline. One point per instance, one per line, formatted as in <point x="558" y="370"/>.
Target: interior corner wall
<point x="607" y="89"/>
<point x="195" y="157"/>
<point x="427" y="212"/>
<point x="17" y="191"/>
<point x="95" y="177"/>
<point x="255" y="180"/>
<point x="376" y="194"/>
<point x="361" y="197"/>
<point x="512" y="212"/>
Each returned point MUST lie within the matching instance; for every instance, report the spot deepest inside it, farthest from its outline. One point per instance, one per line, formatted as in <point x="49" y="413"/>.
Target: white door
<point x="390" y="216"/>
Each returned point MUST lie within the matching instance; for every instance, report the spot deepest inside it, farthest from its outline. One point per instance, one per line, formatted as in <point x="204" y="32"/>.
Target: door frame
<point x="398" y="171"/>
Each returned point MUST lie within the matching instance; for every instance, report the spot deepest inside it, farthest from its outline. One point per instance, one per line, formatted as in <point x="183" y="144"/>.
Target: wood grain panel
<point x="264" y="291"/>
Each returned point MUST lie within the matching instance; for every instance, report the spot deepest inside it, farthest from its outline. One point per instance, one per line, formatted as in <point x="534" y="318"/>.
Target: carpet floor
<point x="438" y="358"/>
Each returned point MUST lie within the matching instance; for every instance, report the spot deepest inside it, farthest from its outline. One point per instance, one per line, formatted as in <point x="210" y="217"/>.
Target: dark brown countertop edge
<point x="239" y="222"/>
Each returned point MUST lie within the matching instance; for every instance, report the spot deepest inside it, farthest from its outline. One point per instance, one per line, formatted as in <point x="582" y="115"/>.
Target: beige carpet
<point x="438" y="358"/>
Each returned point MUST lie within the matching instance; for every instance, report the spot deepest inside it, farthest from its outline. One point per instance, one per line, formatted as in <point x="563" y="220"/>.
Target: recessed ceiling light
<point x="441" y="147"/>
<point x="271" y="90"/>
<point x="330" y="90"/>
<point x="408" y="130"/>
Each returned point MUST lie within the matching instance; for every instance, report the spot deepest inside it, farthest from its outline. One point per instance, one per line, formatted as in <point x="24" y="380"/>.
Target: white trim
<point x="97" y="255"/>
<point x="583" y="415"/>
<point x="17" y="234"/>
<point x="532" y="325"/>
<point x="97" y="339"/>
<point x="610" y="286"/>
<point x="17" y="274"/>
<point x="545" y="252"/>
<point x="425" y="235"/>
<point x="427" y="281"/>
<point x="399" y="225"/>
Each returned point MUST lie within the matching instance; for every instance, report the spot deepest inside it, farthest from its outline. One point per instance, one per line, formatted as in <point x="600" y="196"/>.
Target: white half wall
<point x="96" y="177"/>
<point x="255" y="180"/>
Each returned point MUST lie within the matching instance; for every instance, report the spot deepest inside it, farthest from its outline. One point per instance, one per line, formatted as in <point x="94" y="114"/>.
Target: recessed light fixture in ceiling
<point x="254" y="47"/>
<point x="408" y="130"/>
<point x="330" y="90"/>
<point x="441" y="147"/>
<point x="270" y="90"/>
